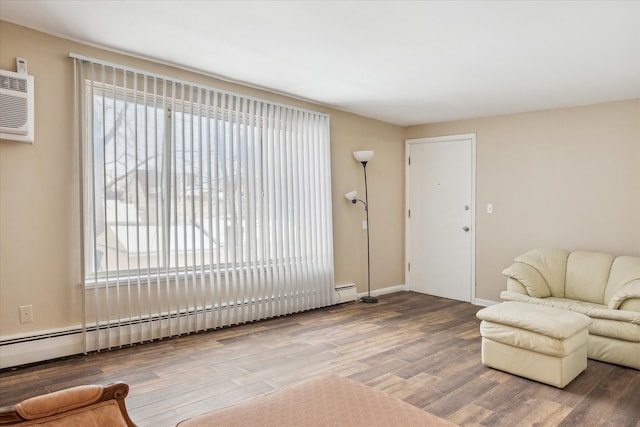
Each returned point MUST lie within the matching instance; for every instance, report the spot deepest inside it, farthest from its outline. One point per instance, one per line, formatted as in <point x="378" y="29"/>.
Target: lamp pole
<point x="368" y="298"/>
<point x="363" y="157"/>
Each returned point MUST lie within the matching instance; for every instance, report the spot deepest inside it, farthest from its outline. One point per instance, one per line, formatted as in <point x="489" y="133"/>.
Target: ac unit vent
<point x="16" y="106"/>
<point x="13" y="83"/>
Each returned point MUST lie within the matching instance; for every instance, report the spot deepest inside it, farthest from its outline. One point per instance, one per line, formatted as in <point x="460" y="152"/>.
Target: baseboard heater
<point x="53" y="344"/>
<point x="345" y="293"/>
<point x="24" y="350"/>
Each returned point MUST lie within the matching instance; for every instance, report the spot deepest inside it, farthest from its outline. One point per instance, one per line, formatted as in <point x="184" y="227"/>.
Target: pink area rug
<point x="323" y="402"/>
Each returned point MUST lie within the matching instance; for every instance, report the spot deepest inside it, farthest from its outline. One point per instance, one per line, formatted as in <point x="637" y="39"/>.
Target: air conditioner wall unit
<point x="16" y="106"/>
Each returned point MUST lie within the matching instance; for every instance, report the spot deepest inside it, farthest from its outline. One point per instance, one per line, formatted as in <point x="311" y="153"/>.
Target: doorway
<point x="440" y="226"/>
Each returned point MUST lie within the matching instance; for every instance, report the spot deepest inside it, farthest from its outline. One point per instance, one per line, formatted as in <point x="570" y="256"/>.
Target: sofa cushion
<point x="551" y="264"/>
<point x="587" y="275"/>
<point x="594" y="311"/>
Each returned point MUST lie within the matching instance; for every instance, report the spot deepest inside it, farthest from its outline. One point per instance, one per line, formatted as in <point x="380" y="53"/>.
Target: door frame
<point x="446" y="138"/>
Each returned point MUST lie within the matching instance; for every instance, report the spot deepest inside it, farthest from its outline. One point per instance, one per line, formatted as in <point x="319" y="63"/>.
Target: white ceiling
<point x="403" y="62"/>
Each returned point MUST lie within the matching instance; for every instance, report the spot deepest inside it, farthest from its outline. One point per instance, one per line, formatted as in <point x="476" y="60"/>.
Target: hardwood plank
<point x="456" y="399"/>
<point x="547" y="413"/>
<point x="419" y="348"/>
<point x="470" y="415"/>
<point x="528" y="401"/>
<point x="615" y="393"/>
<point x="497" y="396"/>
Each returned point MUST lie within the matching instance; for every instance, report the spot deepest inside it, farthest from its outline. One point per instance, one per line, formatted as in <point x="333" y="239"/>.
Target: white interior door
<point x="440" y="232"/>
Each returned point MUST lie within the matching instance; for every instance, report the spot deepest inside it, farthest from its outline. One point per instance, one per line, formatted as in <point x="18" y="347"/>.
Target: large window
<point x="160" y="181"/>
<point x="199" y="198"/>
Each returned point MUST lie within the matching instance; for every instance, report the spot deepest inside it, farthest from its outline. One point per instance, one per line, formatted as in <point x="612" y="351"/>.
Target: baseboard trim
<point x="39" y="346"/>
<point x="484" y="302"/>
<point x="39" y="349"/>
<point x="384" y="291"/>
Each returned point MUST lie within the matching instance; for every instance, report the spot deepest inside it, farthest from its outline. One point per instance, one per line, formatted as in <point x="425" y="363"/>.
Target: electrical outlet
<point x="26" y="313"/>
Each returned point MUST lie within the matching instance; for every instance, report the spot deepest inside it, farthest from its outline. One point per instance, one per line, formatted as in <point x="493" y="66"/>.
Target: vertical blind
<point x="201" y="208"/>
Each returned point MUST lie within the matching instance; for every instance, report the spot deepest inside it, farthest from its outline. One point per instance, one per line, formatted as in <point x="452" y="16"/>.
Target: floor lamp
<point x="363" y="157"/>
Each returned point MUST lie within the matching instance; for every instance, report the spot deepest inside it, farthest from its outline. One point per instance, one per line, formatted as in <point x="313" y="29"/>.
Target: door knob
<point x="465" y="228"/>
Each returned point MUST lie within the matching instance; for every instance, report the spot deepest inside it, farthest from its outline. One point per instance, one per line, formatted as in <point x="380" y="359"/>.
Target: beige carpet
<point x="327" y="401"/>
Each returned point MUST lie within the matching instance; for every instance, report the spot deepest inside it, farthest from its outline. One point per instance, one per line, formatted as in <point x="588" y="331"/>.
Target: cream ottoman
<point x="541" y="343"/>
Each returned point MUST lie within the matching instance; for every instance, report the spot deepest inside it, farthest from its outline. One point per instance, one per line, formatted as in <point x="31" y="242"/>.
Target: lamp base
<point x="369" y="299"/>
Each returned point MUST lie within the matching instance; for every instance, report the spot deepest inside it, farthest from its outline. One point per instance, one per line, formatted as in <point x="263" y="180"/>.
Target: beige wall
<point x="567" y="178"/>
<point x="39" y="207"/>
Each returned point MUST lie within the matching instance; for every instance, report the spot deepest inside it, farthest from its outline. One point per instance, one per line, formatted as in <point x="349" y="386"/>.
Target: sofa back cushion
<point x="551" y="264"/>
<point x="587" y="276"/>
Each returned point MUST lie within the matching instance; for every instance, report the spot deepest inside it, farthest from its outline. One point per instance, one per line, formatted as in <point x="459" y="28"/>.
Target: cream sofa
<point x="604" y="287"/>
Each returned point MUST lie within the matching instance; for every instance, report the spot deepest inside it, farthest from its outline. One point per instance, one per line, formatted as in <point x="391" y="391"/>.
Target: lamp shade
<point x="363" y="156"/>
<point x="351" y="196"/>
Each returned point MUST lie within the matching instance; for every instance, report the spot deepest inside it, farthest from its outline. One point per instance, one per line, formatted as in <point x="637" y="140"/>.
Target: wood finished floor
<point x="419" y="348"/>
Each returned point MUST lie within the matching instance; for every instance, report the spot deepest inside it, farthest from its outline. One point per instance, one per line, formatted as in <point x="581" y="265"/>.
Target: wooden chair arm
<point x="70" y="399"/>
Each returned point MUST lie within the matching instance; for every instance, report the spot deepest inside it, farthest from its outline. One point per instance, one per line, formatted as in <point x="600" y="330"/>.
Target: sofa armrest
<point x="622" y="298"/>
<point x="70" y="401"/>
<point x="515" y="286"/>
<point x="530" y="278"/>
<point x="630" y="304"/>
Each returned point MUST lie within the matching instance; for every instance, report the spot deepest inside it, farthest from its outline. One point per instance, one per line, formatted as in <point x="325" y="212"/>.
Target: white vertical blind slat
<point x="89" y="134"/>
<point x="182" y="203"/>
<point x="173" y="222"/>
<point x="207" y="220"/>
<point x="266" y="210"/>
<point x="232" y="170"/>
<point x="201" y="323"/>
<point x="79" y="109"/>
<point x="241" y="114"/>
<point x="252" y="174"/>
<point x="218" y="296"/>
<point x="156" y="211"/>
